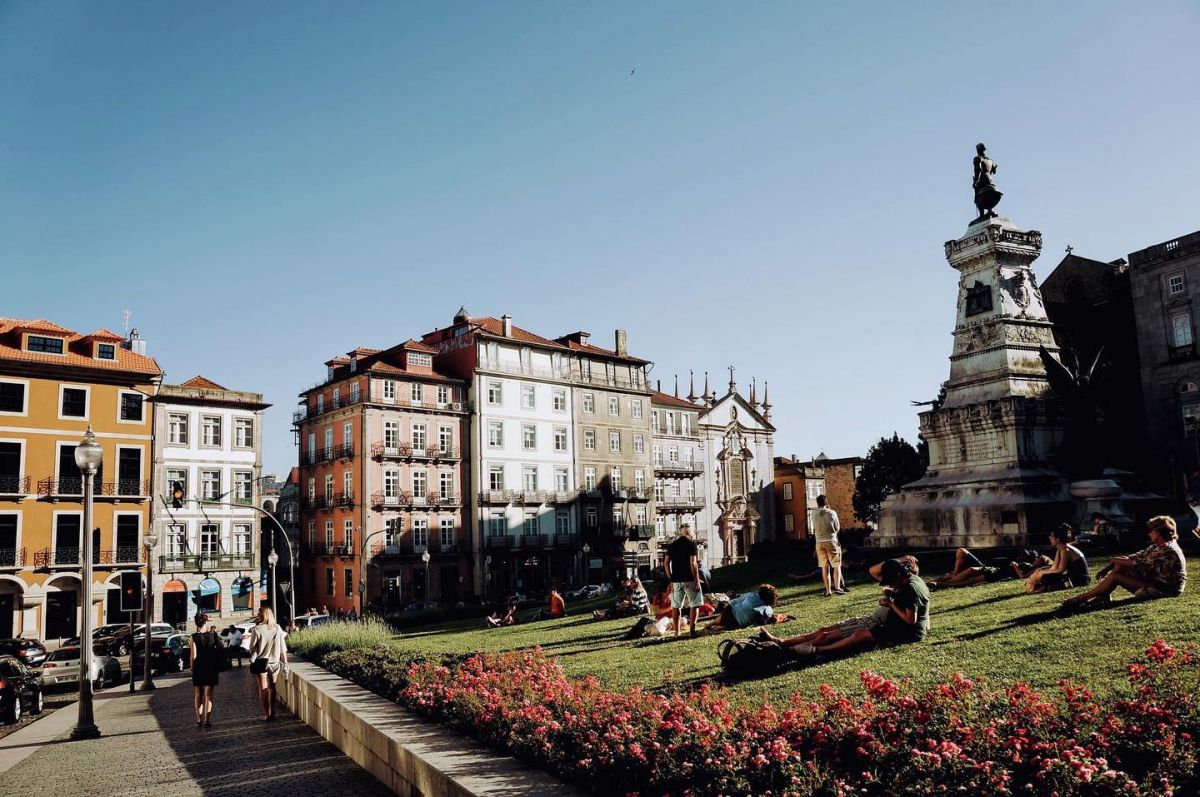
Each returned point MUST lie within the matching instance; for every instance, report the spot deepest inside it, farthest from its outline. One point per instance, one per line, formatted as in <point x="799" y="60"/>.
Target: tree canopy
<point x="889" y="465"/>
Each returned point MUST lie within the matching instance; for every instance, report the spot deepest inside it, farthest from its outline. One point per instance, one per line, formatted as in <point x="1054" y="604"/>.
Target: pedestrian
<point x="682" y="565"/>
<point x="206" y="651"/>
<point x="268" y="659"/>
<point x="826" y="526"/>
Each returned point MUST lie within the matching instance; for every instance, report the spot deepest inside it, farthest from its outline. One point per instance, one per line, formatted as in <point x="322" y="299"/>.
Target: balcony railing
<point x="436" y="452"/>
<point x="72" y="557"/>
<point x="496" y="497"/>
<point x="14" y="485"/>
<point x="204" y="563"/>
<point x="530" y="497"/>
<point x="639" y="532"/>
<point x="345" y="499"/>
<point x="377" y="397"/>
<point x="12" y="557"/>
<point x="566" y="541"/>
<point x="398" y="451"/>
<point x="680" y="502"/>
<point x="243" y="500"/>
<point x="344" y="451"/>
<point x="1185" y="352"/>
<point x="72" y="487"/>
<point x="320" y="549"/>
<point x="406" y="547"/>
<point x="299" y="415"/>
<point x="498" y="543"/>
<point x="562" y="496"/>
<point x="124" y="488"/>
<point x="692" y="468"/>
<point x="122" y="556"/>
<point x="533" y="540"/>
<point x="317" y="502"/>
<point x="561" y="372"/>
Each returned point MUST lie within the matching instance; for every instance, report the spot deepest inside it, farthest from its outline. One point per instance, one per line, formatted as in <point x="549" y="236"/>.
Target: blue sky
<point x="266" y="185"/>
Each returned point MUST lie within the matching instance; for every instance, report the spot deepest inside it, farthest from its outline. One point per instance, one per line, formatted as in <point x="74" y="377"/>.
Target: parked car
<point x="167" y="654"/>
<point x="20" y="690"/>
<point x="118" y="642"/>
<point x="588" y="591"/>
<point x="29" y="651"/>
<point x="62" y="668"/>
<point x="312" y="620"/>
<point x="518" y="599"/>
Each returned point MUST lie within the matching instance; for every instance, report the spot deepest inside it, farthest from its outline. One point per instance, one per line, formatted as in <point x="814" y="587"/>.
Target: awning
<point x="209" y="586"/>
<point x="174" y="585"/>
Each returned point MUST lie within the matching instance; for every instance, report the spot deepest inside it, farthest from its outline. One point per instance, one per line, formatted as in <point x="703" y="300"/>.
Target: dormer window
<point x="329" y="372"/>
<point x="106" y="351"/>
<point x="353" y="366"/>
<point x="420" y="360"/>
<point x="45" y="345"/>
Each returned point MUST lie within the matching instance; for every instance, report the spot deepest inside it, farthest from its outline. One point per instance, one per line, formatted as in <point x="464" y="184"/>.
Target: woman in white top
<point x="268" y="658"/>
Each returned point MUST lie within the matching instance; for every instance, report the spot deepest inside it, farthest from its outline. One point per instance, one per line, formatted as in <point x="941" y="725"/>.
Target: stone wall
<point x="411" y="756"/>
<point x="839" y="492"/>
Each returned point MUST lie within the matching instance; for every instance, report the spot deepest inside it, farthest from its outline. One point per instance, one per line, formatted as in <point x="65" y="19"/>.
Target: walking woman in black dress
<point x="206" y="666"/>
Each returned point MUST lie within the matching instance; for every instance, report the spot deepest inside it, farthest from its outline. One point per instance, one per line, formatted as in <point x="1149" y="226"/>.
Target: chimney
<point x="506" y="325"/>
<point x="622" y="347"/>
<point x="135" y="343"/>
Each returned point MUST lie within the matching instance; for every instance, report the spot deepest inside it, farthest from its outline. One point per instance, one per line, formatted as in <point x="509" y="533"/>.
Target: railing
<point x="562" y="496"/>
<point x="403" y="498"/>
<point x="243" y="500"/>
<point x="344" y="451"/>
<point x="436" y="452"/>
<point x="1169" y="250"/>
<point x="12" y="557"/>
<point x="309" y="457"/>
<point x="424" y="404"/>
<point x="640" y="532"/>
<point x="631" y="494"/>
<point x="300" y="415"/>
<point x="327" y="550"/>
<point x="568" y="541"/>
<point x="345" y="499"/>
<point x="1185" y="352"/>
<point x="680" y="502"/>
<point x="693" y="467"/>
<point x="398" y="451"/>
<point x="131" y="488"/>
<point x="325" y="454"/>
<point x="73" y="557"/>
<point x="444" y="499"/>
<point x="604" y="380"/>
<point x="121" y="556"/>
<point x="495" y="497"/>
<point x="562" y="372"/>
<point x="498" y="543"/>
<point x="14" y="485"/>
<point x="591" y="492"/>
<point x="319" y="502"/>
<point x="530" y="497"/>
<point x="203" y="563"/>
<point x="533" y="540"/>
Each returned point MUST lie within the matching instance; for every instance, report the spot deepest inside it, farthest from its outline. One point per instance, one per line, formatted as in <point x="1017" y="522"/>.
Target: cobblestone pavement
<point x="151" y="746"/>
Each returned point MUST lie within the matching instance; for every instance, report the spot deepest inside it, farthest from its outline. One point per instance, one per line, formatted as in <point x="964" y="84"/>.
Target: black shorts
<point x="258" y="666"/>
<point x="891" y="633"/>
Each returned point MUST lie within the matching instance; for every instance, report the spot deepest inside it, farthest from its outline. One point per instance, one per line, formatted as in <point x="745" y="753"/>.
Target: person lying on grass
<point x="1158" y="571"/>
<point x="1069" y="568"/>
<point x="749" y="608"/>
<point x="906" y="599"/>
<point x="635" y="602"/>
<point x="968" y="571"/>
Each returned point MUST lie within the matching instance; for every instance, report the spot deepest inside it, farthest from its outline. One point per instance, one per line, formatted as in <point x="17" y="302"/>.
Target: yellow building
<point x="54" y="384"/>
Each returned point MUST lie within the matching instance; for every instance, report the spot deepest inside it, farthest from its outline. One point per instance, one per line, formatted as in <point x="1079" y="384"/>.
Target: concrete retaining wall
<point x="410" y="755"/>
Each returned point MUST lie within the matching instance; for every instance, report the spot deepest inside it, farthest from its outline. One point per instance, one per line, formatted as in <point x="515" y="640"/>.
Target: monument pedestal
<point x="991" y="478"/>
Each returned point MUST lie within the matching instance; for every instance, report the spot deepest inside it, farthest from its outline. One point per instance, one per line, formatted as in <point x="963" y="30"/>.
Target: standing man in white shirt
<point x="829" y="553"/>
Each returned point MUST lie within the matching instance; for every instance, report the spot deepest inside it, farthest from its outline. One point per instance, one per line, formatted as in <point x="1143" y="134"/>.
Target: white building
<point x="678" y="455"/>
<point x="208" y="440"/>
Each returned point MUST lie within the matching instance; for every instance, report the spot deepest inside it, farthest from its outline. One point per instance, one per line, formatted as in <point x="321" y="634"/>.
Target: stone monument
<point x="992" y="476"/>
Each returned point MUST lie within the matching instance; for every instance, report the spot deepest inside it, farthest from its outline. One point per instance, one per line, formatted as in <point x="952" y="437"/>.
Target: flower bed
<point x="962" y="737"/>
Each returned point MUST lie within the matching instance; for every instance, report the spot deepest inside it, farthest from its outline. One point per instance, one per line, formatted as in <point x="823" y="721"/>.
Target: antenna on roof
<point x="125" y="316"/>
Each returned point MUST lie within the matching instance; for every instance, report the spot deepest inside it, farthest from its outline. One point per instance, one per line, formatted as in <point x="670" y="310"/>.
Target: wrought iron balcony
<point x="562" y="496"/>
<point x="72" y="488"/>
<point x="344" y="451"/>
<point x="533" y="540"/>
<point x="384" y="501"/>
<point x="122" y="556"/>
<point x="679" y="468"/>
<point x="530" y="497"/>
<point x="14" y="485"/>
<point x="435" y="452"/>
<point x="1185" y="352"/>
<point x="12" y="557"/>
<point x="679" y="503"/>
<point x="640" y="532"/>
<point x="397" y="451"/>
<point x="205" y="563"/>
<point x="443" y="499"/>
<point x="317" y="502"/>
<point x="566" y="541"/>
<point x="496" y="497"/>
<point x="345" y="499"/>
<point x="498" y="543"/>
<point x="320" y="549"/>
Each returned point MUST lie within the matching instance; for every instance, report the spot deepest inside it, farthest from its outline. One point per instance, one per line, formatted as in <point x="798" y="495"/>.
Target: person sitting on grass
<point x="1069" y="568"/>
<point x="505" y="616"/>
<point x="660" y="604"/>
<point x="635" y="602"/>
<point x="556" y="609"/>
<point x="967" y="572"/>
<point x="1029" y="562"/>
<point x="909" y="561"/>
<point x="749" y="608"/>
<point x="906" y="599"/>
<point x="1158" y="571"/>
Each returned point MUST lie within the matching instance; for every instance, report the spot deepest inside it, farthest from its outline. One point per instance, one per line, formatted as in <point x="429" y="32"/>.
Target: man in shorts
<point x="829" y="553"/>
<point x="682" y="563"/>
<point x="968" y="571"/>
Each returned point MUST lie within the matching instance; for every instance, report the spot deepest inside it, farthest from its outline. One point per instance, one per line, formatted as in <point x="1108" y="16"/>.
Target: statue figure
<point x="986" y="195"/>
<point x="1077" y="387"/>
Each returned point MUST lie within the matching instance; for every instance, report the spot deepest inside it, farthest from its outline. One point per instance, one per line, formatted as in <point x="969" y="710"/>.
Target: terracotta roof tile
<point x="203" y="382"/>
<point x="412" y="344"/>
<point x="76" y="355"/>
<point x="39" y="325"/>
<point x="494" y="326"/>
<point x="658" y="397"/>
<point x="106" y="336"/>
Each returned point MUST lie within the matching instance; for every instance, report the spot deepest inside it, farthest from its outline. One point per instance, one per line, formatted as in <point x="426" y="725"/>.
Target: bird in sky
<point x="631" y="71"/>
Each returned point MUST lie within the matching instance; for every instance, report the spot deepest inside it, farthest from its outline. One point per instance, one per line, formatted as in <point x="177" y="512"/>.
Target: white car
<point x="62" y="668"/>
<point x="231" y="637"/>
<point x="312" y="620"/>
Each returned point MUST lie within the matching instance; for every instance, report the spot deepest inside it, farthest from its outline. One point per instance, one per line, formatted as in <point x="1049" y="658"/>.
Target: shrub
<point x="383" y="671"/>
<point x="316" y="643"/>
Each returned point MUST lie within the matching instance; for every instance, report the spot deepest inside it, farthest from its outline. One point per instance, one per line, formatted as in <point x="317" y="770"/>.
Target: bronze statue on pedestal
<point x="986" y="195"/>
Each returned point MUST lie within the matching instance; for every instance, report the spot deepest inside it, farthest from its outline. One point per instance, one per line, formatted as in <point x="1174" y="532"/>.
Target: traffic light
<point x="177" y="495"/>
<point x="131" y="592"/>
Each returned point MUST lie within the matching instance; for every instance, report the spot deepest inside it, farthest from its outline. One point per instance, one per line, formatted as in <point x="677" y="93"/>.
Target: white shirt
<point x="825" y="525"/>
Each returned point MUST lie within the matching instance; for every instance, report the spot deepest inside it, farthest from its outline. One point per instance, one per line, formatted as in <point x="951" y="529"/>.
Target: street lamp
<point x="149" y="540"/>
<point x="272" y="560"/>
<point x="362" y="568"/>
<point x="88" y="457"/>
<point x="587" y="563"/>
<point x="425" y="561"/>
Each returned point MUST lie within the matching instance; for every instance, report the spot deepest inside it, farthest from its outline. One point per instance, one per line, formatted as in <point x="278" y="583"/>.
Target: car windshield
<point x="64" y="654"/>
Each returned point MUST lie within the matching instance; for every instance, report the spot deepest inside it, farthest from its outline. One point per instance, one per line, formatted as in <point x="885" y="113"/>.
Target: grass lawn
<point x="993" y="630"/>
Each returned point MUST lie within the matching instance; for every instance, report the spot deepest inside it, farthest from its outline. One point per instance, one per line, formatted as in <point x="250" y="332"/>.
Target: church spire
<point x="753" y="393"/>
<point x="707" y="395"/>
<point x="691" y="396"/>
<point x="676" y="385"/>
<point x="732" y="384"/>
<point x="766" y="404"/>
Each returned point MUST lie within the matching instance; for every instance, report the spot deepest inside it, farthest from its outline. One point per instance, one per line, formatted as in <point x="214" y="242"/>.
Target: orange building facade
<point x="54" y="384"/>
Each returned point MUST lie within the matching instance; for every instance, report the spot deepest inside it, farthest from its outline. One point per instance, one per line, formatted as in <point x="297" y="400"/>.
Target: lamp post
<point x="88" y="457"/>
<point x="149" y="541"/>
<point x="587" y="564"/>
<point x="272" y="560"/>
<point x="425" y="561"/>
<point x="362" y="570"/>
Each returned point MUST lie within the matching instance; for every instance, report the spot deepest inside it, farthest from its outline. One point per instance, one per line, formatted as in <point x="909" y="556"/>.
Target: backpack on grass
<point x="751" y="658"/>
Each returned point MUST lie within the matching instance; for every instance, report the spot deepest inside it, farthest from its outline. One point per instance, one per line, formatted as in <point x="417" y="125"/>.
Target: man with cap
<point x="906" y="619"/>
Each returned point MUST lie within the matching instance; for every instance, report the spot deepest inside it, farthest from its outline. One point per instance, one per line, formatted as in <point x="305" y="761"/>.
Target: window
<point x="561" y="480"/>
<point x="348" y="483"/>
<point x="1188" y="387"/>
<point x="391" y="483"/>
<point x="443" y="394"/>
<point x="446" y="535"/>
<point x="614" y="442"/>
<point x="131" y="407"/>
<point x="560" y="400"/>
<point x="560" y="438"/>
<point x="329" y="438"/>
<point x="389" y="390"/>
<point x="330" y="583"/>
<point x="243" y="483"/>
<point x="687" y="455"/>
<point x="528" y="436"/>
<point x="1175" y="285"/>
<point x="347" y="582"/>
<point x="177" y="475"/>
<point x="210" y="484"/>
<point x="312" y="534"/>
<point x="348" y="534"/>
<point x="670" y="422"/>
<point x="446" y="484"/>
<point x="328" y="534"/>
<point x="496" y="477"/>
<point x="592" y="517"/>
<point x="497" y="526"/>
<point x="210" y="539"/>
<point x="12" y="397"/>
<point x="40" y="343"/>
<point x="639" y="516"/>
<point x="419" y="439"/>
<point x="417" y="393"/>
<point x="347" y="434"/>
<point x="639" y="444"/>
<point x="589" y="478"/>
<point x="312" y="490"/>
<point x="658" y="455"/>
<point x="615" y="478"/>
<point x="241" y="539"/>
<point x="589" y="439"/>
<point x="420" y="482"/>
<point x="614" y="406"/>
<point x="391" y="434"/>
<point x="685" y="423"/>
<point x="176" y="541"/>
<point x="589" y="403"/>
<point x="639" y="479"/>
<point x="857" y="471"/>
<point x="562" y="524"/>
<point x="495" y="392"/>
<point x="529" y="478"/>
<point x="528" y="397"/>
<point x="210" y="431"/>
<point x="177" y="428"/>
<point x="495" y="434"/>
<point x="74" y="402"/>
<point x="1191" y="420"/>
<point x="420" y="533"/>
<point x="106" y="351"/>
<point x="658" y="490"/>
<point x="531" y="525"/>
<point x="446" y="438"/>
<point x="789" y="523"/>
<point x="660" y="527"/>
<point x="618" y="517"/>
<point x="243" y="433"/>
<point x="654" y="422"/>
<point x="320" y="403"/>
<point x="672" y="454"/>
<point x="328" y="487"/>
<point x="393" y="527"/>
<point x="1181" y="329"/>
<point x="635" y="408"/>
<point x="787" y="493"/>
<point x="354" y="393"/>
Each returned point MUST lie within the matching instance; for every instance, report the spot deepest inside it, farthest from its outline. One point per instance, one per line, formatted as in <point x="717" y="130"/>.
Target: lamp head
<point x="88" y="454"/>
<point x="425" y="557"/>
<point x="149" y="540"/>
<point x="273" y="558"/>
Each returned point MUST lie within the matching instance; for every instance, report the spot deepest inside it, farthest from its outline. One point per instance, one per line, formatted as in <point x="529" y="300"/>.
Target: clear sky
<point x="767" y="185"/>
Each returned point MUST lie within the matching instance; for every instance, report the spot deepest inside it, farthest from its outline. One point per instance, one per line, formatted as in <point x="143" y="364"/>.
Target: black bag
<point x="639" y="629"/>
<point x="752" y="658"/>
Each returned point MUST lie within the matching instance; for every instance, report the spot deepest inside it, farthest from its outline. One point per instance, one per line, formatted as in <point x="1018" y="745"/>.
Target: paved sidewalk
<point x="151" y="746"/>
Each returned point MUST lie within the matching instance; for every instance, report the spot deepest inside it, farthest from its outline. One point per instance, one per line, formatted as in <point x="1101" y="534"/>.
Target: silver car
<point x="62" y="669"/>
